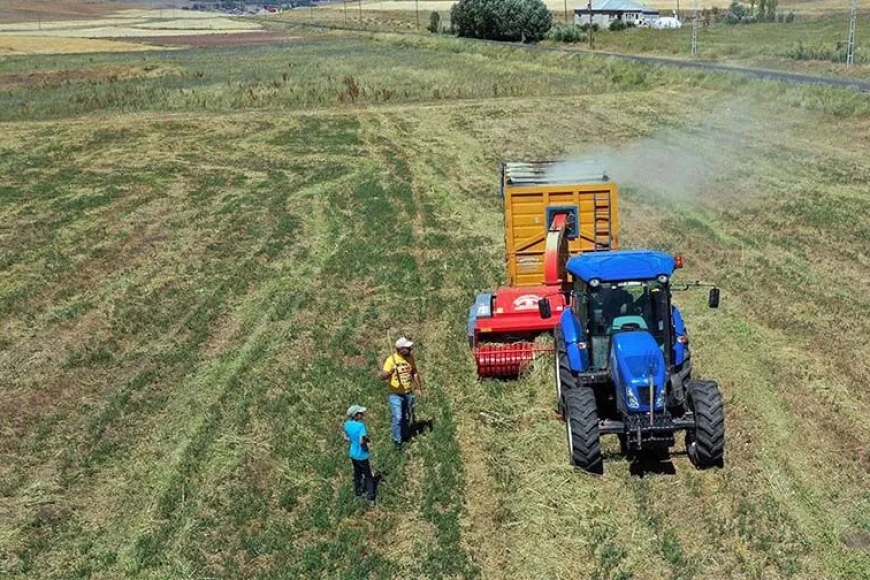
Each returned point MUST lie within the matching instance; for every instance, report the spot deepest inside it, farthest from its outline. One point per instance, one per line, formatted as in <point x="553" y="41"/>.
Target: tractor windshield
<point x="615" y="307"/>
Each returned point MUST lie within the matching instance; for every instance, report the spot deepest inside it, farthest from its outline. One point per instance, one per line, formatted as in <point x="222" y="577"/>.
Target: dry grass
<point x="18" y="45"/>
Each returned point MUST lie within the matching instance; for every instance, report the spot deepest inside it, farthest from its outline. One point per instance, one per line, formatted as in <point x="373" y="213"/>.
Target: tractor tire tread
<point x="709" y="415"/>
<point x="582" y="418"/>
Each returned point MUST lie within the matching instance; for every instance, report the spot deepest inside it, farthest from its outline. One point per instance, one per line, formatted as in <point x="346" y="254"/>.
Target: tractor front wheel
<point x="705" y="444"/>
<point x="581" y="420"/>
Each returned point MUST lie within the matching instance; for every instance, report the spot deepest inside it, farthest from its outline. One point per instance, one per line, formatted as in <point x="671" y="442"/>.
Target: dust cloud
<point x="679" y="163"/>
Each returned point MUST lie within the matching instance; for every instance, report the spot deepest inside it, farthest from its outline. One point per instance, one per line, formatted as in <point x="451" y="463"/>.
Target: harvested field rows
<point x="205" y="252"/>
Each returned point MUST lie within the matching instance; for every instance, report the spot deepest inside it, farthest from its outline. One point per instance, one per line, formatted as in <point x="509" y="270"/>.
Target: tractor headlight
<point x="594" y="283"/>
<point x="631" y="398"/>
<point x="662" y="279"/>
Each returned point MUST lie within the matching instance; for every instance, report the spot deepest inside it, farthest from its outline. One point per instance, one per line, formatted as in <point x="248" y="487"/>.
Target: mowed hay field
<point x="203" y="256"/>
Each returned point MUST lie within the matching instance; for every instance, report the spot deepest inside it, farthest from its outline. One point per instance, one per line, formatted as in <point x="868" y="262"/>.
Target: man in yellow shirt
<point x="400" y="372"/>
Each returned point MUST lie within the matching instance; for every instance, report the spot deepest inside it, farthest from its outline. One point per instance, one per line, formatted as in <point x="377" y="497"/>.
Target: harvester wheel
<point x="581" y="420"/>
<point x="705" y="444"/>
<point x="565" y="377"/>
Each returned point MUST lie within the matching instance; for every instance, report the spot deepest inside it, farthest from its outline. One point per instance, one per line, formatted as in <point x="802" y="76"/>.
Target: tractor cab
<point x="610" y="308"/>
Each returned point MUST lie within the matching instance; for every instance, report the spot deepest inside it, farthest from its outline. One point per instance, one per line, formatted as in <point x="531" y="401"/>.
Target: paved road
<point x="776" y="75"/>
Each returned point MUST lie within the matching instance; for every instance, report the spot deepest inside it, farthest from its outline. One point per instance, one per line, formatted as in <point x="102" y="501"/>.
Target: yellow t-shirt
<point x="401" y="371"/>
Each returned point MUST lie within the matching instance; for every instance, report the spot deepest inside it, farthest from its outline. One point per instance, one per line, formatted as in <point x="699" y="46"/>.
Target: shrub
<point x="571" y="33"/>
<point x="789" y="18"/>
<point x="434" y="23"/>
<point x="617" y="25"/>
<point x="739" y="14"/>
<point x="837" y="53"/>
<point x="511" y="20"/>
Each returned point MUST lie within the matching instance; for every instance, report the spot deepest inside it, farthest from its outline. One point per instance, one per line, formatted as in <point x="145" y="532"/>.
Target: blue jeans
<point x="401" y="410"/>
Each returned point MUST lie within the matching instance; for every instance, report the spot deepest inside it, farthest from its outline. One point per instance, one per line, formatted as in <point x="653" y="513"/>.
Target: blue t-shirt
<point x="355" y="431"/>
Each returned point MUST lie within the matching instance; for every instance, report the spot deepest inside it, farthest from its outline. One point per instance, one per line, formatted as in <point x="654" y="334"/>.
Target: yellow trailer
<point x="535" y="192"/>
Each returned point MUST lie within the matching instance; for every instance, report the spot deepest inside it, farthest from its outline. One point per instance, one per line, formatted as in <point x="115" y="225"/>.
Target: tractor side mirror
<point x="544" y="308"/>
<point x="713" y="299"/>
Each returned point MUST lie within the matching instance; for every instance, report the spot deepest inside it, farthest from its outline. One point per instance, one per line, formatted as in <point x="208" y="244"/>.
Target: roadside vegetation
<point x="204" y="253"/>
<point x="809" y="43"/>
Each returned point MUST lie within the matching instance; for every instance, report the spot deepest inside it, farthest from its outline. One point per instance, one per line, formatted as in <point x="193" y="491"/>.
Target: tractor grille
<point x="643" y="395"/>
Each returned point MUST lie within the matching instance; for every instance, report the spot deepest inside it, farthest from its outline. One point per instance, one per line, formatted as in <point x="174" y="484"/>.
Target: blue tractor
<point x="622" y="362"/>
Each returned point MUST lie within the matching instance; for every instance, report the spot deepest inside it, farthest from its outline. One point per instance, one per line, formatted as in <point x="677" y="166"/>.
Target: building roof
<point x="616" y="6"/>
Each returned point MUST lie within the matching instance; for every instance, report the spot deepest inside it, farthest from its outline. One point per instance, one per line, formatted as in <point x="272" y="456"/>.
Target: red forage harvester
<point x="553" y="210"/>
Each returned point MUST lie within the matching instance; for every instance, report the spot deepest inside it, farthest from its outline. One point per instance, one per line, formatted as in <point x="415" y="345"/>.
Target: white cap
<point x="354" y="409"/>
<point x="404" y="343"/>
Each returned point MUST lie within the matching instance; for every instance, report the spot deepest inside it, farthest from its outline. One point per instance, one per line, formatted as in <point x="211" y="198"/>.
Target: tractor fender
<point x="678" y="385"/>
<point x="481" y="308"/>
<point x="575" y="341"/>
<point x="681" y="350"/>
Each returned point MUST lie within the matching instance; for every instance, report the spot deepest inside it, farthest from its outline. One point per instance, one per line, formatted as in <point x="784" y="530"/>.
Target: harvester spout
<point x="556" y="253"/>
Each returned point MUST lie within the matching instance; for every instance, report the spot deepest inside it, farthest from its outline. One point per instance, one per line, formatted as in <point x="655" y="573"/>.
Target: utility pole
<point x="417" y="10"/>
<point x="850" y="45"/>
<point x="566" y="12"/>
<point x="695" y="31"/>
<point x="360" y="11"/>
<point x="589" y="30"/>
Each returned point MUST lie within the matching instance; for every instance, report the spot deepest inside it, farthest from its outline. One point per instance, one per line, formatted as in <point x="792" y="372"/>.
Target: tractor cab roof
<point x="621" y="265"/>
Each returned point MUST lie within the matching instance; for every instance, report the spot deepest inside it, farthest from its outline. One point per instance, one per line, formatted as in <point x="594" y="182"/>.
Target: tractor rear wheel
<point x="705" y="444"/>
<point x="581" y="420"/>
<point x="565" y="377"/>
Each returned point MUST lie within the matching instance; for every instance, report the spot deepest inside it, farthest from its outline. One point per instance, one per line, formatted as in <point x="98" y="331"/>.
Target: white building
<point x="603" y="12"/>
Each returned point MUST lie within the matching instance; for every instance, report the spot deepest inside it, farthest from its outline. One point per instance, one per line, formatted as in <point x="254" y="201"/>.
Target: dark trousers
<point x="363" y="479"/>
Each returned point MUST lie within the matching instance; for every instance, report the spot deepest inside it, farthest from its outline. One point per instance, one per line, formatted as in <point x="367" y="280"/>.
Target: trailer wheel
<point x="705" y="444"/>
<point x="565" y="377"/>
<point x="581" y="420"/>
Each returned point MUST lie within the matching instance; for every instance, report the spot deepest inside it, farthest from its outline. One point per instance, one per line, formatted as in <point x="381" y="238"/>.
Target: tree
<point x="771" y="10"/>
<point x="434" y="23"/>
<point x="509" y="20"/>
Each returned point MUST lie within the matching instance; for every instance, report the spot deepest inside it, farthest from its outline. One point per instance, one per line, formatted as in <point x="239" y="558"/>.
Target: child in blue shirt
<point x="356" y="434"/>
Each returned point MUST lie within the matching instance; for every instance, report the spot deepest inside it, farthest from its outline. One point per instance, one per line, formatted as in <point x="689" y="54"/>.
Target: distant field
<point x="14" y="44"/>
<point x="95" y="34"/>
<point x="33" y="10"/>
<point x="203" y="253"/>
